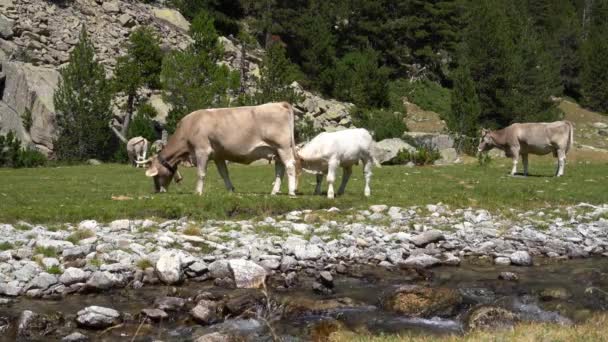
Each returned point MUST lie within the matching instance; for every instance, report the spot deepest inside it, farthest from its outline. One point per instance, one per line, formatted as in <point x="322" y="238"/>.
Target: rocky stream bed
<point x="299" y="276"/>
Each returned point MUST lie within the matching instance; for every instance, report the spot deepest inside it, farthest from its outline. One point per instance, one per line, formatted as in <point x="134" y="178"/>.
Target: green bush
<point x="382" y="123"/>
<point x="305" y="129"/>
<point x="484" y="159"/>
<point x="428" y="95"/>
<point x="424" y="155"/>
<point x="13" y="155"/>
<point x="142" y="124"/>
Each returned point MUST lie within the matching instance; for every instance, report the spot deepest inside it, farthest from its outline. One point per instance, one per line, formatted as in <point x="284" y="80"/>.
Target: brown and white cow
<point x="531" y="138"/>
<point x="241" y="135"/>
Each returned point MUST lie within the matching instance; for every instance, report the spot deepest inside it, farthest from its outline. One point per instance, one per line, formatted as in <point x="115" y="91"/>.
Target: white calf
<point x="327" y="151"/>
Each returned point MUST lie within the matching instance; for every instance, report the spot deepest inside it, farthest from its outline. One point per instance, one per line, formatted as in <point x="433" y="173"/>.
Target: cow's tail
<point x="570" y="136"/>
<point x="292" y="124"/>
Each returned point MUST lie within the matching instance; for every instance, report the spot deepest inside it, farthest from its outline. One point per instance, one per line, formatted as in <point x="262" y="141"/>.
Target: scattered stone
<point x="521" y="258"/>
<point x="502" y="261"/>
<point x="155" y="314"/>
<point x="510" y="276"/>
<point x="169" y="303"/>
<point x="219" y="269"/>
<point x="169" y="269"/>
<point x="420" y="261"/>
<point x="216" y="337"/>
<point x="427" y="237"/>
<point x="555" y="293"/>
<point x="247" y="274"/>
<point x="205" y="312"/>
<point x="419" y="301"/>
<point x="97" y="317"/>
<point x="73" y="275"/>
<point x="326" y="279"/>
<point x="487" y="317"/>
<point x="75" y="337"/>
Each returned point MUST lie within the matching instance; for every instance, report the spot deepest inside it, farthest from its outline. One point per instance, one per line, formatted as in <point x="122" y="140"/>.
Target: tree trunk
<point x="127" y="120"/>
<point x="120" y="136"/>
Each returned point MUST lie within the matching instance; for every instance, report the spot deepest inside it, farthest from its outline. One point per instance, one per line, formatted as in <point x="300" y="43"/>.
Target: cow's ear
<point x="152" y="171"/>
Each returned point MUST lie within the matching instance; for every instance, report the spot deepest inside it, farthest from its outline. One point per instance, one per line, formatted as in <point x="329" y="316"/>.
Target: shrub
<point x="428" y="95"/>
<point x="484" y="159"/>
<point x="425" y="155"/>
<point x="359" y="78"/>
<point x="305" y="129"/>
<point x="142" y="124"/>
<point x="27" y="119"/>
<point x="83" y="104"/>
<point x="5" y="246"/>
<point x="13" y="155"/>
<point x="382" y="123"/>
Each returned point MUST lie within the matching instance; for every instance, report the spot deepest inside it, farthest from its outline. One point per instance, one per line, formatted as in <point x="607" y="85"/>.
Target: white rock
<point x="119" y="225"/>
<point x="73" y="275"/>
<point x="88" y="224"/>
<point x="97" y="317"/>
<point x="247" y="274"/>
<point x="378" y="208"/>
<point x="421" y="260"/>
<point x="168" y="268"/>
<point x="521" y="258"/>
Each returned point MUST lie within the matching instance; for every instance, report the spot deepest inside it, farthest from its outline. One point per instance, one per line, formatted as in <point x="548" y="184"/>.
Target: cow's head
<point x="486" y="142"/>
<point x="162" y="173"/>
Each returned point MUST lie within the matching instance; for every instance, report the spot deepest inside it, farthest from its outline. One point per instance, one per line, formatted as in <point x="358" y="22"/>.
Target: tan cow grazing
<point x="531" y="138"/>
<point x="137" y="148"/>
<point x="241" y="135"/>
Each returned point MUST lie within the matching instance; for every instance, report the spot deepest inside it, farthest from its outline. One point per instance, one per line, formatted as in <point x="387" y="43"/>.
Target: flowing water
<point x="585" y="282"/>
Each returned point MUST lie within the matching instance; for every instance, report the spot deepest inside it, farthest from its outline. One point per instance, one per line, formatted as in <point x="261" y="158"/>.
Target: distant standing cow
<point x="531" y="138"/>
<point x="137" y="148"/>
<point x="328" y="151"/>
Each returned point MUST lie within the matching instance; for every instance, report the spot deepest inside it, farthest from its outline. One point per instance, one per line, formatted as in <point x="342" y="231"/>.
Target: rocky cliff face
<point x="36" y="37"/>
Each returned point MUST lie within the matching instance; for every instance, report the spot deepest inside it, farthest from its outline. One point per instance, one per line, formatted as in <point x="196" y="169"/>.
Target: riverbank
<point x="55" y="260"/>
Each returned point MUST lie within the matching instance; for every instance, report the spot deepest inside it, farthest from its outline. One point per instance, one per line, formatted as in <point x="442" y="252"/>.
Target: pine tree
<point x="193" y="79"/>
<point x="464" y="115"/>
<point x="535" y="74"/>
<point x="359" y="78"/>
<point x="142" y="124"/>
<point x="594" y="82"/>
<point x="276" y="75"/>
<point x="83" y="107"/>
<point x="491" y="56"/>
<point x="140" y="67"/>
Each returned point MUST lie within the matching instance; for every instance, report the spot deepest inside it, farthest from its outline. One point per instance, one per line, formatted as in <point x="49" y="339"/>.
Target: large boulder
<point x="327" y="114"/>
<point x="387" y="149"/>
<point x="172" y="17"/>
<point x="421" y="301"/>
<point x="29" y="88"/>
<point x="437" y="141"/>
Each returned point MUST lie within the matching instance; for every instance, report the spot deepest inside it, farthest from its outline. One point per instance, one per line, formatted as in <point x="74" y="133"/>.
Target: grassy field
<point x="107" y="192"/>
<point x="594" y="330"/>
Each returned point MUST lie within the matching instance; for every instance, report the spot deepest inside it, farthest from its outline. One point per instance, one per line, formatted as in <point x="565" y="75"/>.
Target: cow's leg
<point x="561" y="162"/>
<point x="348" y="170"/>
<point x="223" y="171"/>
<point x="524" y="159"/>
<point x="331" y="177"/>
<point x="279" y="171"/>
<point x="319" y="182"/>
<point x="367" y="171"/>
<point x="201" y="166"/>
<point x="514" y="156"/>
<point x="287" y="157"/>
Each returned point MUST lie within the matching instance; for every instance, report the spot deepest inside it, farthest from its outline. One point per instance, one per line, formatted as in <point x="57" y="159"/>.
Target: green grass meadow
<point x="74" y="193"/>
